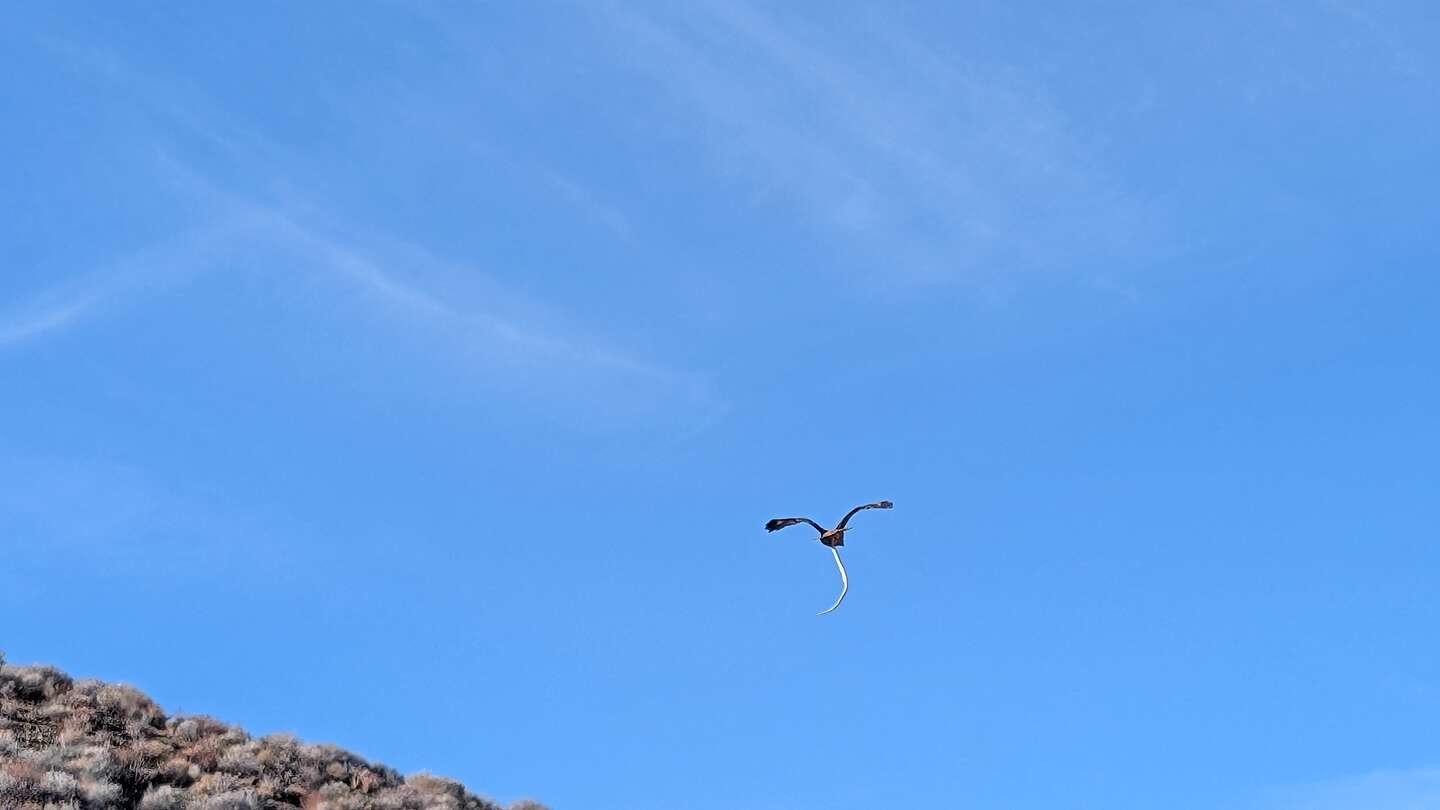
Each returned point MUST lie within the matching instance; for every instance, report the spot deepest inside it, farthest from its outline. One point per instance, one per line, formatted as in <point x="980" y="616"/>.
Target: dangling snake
<point x="833" y="539"/>
<point x="844" y="582"/>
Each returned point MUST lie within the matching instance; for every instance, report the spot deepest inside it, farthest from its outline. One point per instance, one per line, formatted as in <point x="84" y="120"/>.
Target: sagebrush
<point x="68" y="744"/>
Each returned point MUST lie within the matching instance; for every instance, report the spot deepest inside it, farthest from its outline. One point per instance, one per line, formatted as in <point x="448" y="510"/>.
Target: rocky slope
<point x="86" y="745"/>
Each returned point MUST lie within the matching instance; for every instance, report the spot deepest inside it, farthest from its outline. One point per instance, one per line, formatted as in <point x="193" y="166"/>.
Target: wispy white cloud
<point x="481" y="315"/>
<point x="585" y="200"/>
<point x="40" y="317"/>
<point x="1416" y="789"/>
<point x="549" y="178"/>
<point x="477" y="318"/>
<point x="943" y="166"/>
<point x="93" y="293"/>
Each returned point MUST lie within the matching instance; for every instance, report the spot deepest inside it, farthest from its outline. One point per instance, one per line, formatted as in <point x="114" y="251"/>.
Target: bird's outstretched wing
<point x="844" y="582"/>
<point x="780" y="523"/>
<point x="851" y="513"/>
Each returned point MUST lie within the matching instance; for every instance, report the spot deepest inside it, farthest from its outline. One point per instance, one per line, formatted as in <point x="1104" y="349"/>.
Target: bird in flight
<point x="832" y="538"/>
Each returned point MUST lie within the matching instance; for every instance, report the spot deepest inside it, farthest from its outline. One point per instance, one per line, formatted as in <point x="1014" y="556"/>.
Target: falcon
<point x="832" y="539"/>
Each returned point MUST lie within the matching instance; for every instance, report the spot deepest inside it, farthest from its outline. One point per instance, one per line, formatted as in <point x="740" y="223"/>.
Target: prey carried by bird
<point x="832" y="539"/>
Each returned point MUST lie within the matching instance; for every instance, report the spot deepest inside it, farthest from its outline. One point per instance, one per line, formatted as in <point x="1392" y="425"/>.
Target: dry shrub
<point x="87" y="745"/>
<point x="59" y="786"/>
<point x="230" y="800"/>
<point x="163" y="797"/>
<point x="101" y="795"/>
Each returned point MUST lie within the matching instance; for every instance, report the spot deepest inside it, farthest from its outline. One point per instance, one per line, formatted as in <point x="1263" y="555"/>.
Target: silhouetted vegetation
<point x="86" y="745"/>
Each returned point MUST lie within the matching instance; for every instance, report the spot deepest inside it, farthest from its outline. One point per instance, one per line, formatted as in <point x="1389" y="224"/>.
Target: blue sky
<point x="362" y="363"/>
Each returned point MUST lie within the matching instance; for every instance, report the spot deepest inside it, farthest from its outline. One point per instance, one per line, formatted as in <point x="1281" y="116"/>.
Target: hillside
<point x="86" y="745"/>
